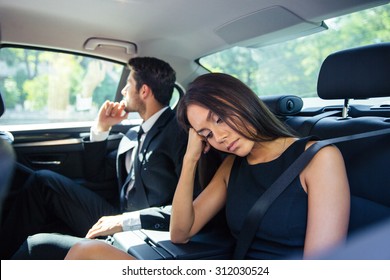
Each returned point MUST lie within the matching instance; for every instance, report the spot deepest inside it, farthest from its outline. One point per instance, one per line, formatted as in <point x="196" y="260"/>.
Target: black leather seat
<point x="358" y="73"/>
<point x="7" y="160"/>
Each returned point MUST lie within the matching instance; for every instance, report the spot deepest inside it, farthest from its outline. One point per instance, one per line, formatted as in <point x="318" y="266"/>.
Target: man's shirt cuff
<point x="131" y="221"/>
<point x="98" y="136"/>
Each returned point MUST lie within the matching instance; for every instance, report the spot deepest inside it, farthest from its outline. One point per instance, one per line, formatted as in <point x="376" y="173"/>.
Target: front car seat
<point x="7" y="160"/>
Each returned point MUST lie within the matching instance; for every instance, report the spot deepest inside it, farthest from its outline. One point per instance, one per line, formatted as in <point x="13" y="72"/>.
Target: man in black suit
<point x="148" y="165"/>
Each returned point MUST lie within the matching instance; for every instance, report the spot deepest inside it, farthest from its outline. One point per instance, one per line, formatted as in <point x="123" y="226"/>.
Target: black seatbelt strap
<point x="256" y="213"/>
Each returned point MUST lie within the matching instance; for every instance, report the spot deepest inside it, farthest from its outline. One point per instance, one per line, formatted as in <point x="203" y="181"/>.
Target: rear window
<point x="292" y="67"/>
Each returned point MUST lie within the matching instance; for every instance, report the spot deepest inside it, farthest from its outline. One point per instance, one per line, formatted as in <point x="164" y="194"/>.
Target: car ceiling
<point x="174" y="30"/>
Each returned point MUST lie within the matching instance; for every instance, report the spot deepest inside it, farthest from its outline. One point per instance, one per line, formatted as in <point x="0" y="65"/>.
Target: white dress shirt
<point x="131" y="220"/>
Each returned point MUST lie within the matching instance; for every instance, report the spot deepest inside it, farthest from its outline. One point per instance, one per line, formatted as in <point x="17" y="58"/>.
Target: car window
<point x="292" y="67"/>
<point x="46" y="87"/>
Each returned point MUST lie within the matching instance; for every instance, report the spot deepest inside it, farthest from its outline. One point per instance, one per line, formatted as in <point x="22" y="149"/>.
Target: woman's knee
<point x="96" y="250"/>
<point x="84" y="250"/>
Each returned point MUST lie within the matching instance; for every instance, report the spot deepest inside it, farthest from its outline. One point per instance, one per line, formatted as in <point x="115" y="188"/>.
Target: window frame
<point x="67" y="124"/>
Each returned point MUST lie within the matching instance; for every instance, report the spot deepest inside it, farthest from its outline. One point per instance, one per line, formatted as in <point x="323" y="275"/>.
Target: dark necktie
<point x="130" y="179"/>
<point x="140" y="133"/>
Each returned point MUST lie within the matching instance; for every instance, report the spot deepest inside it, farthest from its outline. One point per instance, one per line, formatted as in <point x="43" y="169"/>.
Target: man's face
<point x="132" y="96"/>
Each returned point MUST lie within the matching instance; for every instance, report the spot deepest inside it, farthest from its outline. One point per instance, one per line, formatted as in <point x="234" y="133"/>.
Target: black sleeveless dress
<point x="281" y="233"/>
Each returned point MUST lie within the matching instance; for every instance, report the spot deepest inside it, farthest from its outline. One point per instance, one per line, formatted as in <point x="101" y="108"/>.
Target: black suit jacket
<point x="159" y="170"/>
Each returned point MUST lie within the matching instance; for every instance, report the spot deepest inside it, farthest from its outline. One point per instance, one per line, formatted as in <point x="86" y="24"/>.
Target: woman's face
<point x="217" y="133"/>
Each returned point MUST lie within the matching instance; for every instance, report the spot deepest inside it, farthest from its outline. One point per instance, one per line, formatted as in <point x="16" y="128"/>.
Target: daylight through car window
<point x="40" y="86"/>
<point x="292" y="67"/>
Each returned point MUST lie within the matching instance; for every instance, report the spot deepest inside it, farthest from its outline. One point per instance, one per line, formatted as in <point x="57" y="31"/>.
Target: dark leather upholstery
<point x="356" y="73"/>
<point x="7" y="161"/>
<point x="283" y="105"/>
<point x="359" y="73"/>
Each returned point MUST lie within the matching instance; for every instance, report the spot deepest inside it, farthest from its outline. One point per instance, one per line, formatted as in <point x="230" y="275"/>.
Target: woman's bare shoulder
<point x="225" y="168"/>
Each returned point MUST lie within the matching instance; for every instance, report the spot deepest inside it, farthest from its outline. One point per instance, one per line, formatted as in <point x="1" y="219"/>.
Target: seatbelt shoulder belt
<point x="258" y="210"/>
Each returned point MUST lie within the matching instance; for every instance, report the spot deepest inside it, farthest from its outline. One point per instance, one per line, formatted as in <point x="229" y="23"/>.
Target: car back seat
<point x="357" y="73"/>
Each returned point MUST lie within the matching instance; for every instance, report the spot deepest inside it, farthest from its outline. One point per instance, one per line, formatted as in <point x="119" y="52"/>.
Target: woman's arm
<point x="326" y="183"/>
<point x="189" y="216"/>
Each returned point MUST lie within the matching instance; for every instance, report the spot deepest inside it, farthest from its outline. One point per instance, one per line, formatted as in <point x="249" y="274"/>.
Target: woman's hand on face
<point x="196" y="145"/>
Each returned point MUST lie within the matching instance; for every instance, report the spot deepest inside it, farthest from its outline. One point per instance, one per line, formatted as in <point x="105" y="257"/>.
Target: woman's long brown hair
<point x="236" y="104"/>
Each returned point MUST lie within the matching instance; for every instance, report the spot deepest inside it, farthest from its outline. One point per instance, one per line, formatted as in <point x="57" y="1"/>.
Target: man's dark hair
<point x="156" y="74"/>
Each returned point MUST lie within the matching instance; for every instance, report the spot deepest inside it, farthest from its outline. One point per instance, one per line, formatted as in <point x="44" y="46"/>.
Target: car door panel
<point x="61" y="150"/>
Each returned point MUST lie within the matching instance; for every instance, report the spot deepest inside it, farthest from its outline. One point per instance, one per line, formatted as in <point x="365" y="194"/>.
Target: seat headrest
<point x="2" y="106"/>
<point x="356" y="73"/>
<point x="283" y="105"/>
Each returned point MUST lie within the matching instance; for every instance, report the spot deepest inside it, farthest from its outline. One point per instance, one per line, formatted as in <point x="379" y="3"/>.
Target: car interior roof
<point x="192" y="28"/>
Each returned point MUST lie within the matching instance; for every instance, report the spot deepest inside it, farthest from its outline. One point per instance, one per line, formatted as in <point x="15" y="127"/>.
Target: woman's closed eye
<point x="207" y="134"/>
